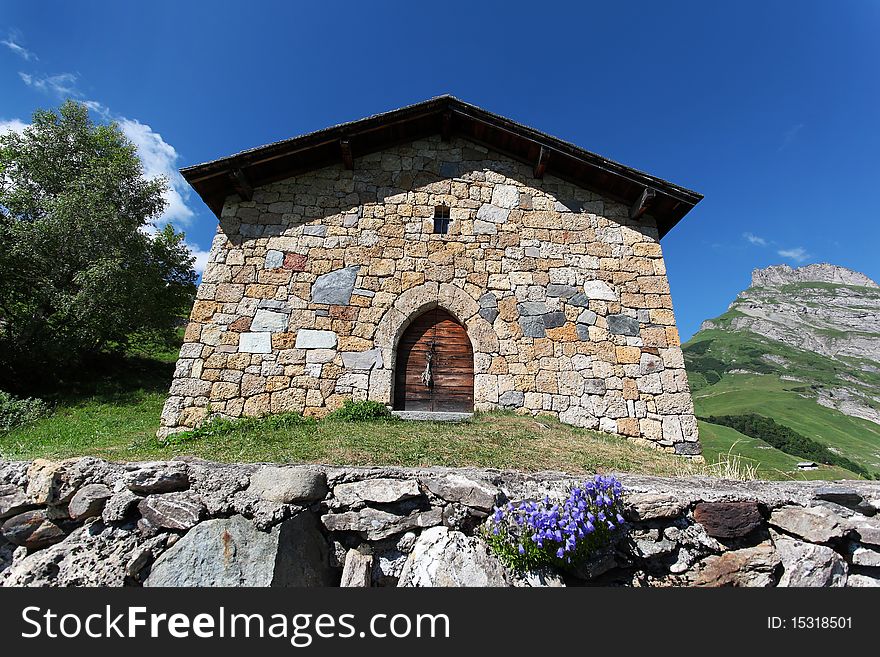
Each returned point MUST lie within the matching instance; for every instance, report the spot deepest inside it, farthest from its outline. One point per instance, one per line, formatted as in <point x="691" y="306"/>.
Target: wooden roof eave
<point x="215" y="181"/>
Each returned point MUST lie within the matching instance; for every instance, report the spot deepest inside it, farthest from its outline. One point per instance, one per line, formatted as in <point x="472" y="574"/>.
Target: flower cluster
<point x="528" y="534"/>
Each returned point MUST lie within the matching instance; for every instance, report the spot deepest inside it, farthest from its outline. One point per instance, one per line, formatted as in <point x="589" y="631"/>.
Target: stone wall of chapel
<point x="310" y="284"/>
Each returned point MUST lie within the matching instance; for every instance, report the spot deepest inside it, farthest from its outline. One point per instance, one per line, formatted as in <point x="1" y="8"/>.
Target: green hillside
<point x="719" y="441"/>
<point x="735" y="372"/>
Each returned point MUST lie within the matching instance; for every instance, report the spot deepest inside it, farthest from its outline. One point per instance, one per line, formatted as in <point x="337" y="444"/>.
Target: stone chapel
<point x="439" y="259"/>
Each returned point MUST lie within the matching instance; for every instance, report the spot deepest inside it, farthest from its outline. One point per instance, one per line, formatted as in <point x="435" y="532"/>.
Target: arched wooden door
<point x="435" y="366"/>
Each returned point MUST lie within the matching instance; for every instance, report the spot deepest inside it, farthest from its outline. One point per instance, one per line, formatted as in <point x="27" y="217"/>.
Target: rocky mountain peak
<point x="822" y="272"/>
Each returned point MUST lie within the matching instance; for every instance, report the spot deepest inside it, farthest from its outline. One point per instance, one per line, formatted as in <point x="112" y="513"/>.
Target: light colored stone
<point x="599" y="290"/>
<point x="375" y="525"/>
<point x="362" y="360"/>
<point x="441" y="557"/>
<point x="274" y="259"/>
<point x="806" y="564"/>
<point x="484" y="227"/>
<point x="492" y="214"/>
<point x="255" y="343"/>
<point x="380" y="491"/>
<point x="505" y="196"/>
<point x="474" y="493"/>
<point x="358" y="570"/>
<point x="335" y="287"/>
<point x="815" y="524"/>
<point x="88" y="501"/>
<point x="267" y="320"/>
<point x="159" y="477"/>
<point x="311" y="339"/>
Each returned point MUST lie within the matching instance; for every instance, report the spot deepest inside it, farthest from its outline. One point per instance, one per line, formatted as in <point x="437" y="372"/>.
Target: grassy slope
<point x="719" y="441"/>
<point x="770" y="396"/>
<point x="709" y="356"/>
<point x="113" y="411"/>
<point x="498" y="440"/>
<point x="114" y="407"/>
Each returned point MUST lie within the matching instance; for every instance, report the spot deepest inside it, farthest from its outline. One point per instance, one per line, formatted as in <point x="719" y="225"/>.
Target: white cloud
<point x="11" y="125"/>
<point x="18" y="49"/>
<point x="61" y="84"/>
<point x="798" y="254"/>
<point x="754" y="239"/>
<point x="200" y="256"/>
<point x="159" y="158"/>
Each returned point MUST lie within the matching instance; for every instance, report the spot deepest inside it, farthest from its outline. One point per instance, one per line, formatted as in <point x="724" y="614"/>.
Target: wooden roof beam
<point x="646" y="198"/>
<point x="347" y="157"/>
<point x="241" y="184"/>
<point x="446" y="126"/>
<point x="541" y="164"/>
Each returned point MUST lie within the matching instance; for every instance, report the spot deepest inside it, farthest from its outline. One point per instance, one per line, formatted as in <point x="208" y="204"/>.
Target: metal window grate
<point x="441" y="219"/>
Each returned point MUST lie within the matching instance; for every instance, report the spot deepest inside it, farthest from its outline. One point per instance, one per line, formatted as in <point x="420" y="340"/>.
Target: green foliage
<point x="565" y="534"/>
<point x="785" y="439"/>
<point x="16" y="412"/>
<point x="361" y="411"/>
<point x="80" y="269"/>
<point x="697" y="348"/>
<point x="220" y="426"/>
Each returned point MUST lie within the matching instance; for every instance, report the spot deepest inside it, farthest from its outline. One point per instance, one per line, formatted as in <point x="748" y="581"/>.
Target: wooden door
<point x="435" y="366"/>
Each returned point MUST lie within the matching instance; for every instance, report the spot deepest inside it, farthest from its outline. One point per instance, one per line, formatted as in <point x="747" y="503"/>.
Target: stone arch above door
<point x="434" y="365"/>
<point x="411" y="304"/>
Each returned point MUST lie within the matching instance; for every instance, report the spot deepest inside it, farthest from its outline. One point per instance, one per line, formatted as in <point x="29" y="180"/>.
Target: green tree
<point x="81" y="268"/>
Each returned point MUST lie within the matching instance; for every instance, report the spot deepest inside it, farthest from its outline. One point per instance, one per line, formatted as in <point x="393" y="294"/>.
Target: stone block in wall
<point x="532" y="326"/>
<point x="599" y="290"/>
<point x="292" y="554"/>
<point x="316" y="339"/>
<point x="335" y="287"/>
<point x="362" y="360"/>
<point x="269" y="320"/>
<point x="255" y="343"/>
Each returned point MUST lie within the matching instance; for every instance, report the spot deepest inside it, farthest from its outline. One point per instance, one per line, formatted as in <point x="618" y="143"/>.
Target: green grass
<point x="711" y="355"/>
<point x="768" y="395"/>
<point x="719" y="441"/>
<point x="112" y="411"/>
<point x="495" y="440"/>
<point x="112" y="407"/>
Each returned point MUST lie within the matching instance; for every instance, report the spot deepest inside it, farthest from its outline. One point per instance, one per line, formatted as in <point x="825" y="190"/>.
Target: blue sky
<point x="770" y="109"/>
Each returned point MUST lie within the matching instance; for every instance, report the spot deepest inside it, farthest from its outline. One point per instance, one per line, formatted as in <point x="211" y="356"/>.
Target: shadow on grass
<point x="110" y="379"/>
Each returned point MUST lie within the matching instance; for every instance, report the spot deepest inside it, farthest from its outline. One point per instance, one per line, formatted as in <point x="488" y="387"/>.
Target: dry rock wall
<point x="87" y="522"/>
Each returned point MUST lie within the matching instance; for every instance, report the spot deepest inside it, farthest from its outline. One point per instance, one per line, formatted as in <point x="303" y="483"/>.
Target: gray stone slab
<point x="554" y="320"/>
<point x="623" y="325"/>
<point x="335" y="287"/>
<point x="599" y="290"/>
<point x="269" y="320"/>
<point x="433" y="416"/>
<point x="362" y="360"/>
<point x="511" y="399"/>
<point x="528" y="308"/>
<point x="532" y="326"/>
<point x="315" y="231"/>
<point x="587" y="317"/>
<point x="559" y="290"/>
<point x="274" y="259"/>
<point x="492" y="213"/>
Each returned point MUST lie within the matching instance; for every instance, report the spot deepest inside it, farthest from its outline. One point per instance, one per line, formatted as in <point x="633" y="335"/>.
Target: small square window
<point x="441" y="220"/>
